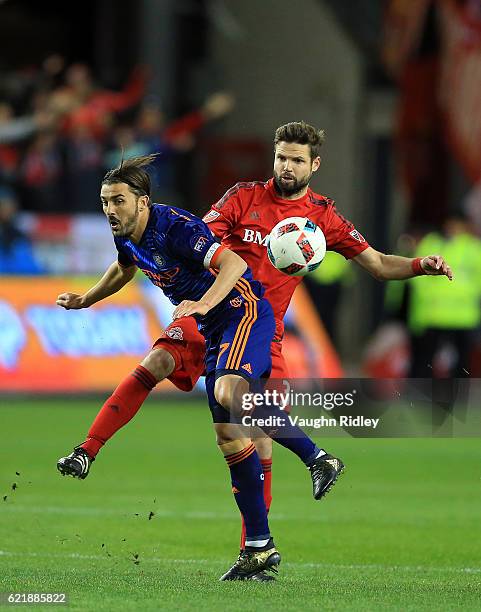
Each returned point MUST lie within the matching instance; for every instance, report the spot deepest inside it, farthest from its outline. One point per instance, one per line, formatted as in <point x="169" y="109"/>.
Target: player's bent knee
<point x="230" y="439"/>
<point x="160" y="363"/>
<point x="224" y="434"/>
<point x="228" y="392"/>
<point x="227" y="432"/>
<point x="263" y="447"/>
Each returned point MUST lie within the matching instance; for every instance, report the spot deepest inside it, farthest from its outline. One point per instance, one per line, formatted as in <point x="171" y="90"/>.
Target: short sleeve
<point x="192" y="240"/>
<point x="123" y="259"/>
<point x="224" y="214"/>
<point x="342" y="236"/>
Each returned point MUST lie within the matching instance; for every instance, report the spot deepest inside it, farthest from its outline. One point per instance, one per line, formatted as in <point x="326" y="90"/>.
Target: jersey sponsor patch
<point x="176" y="333"/>
<point x="210" y="216"/>
<point x="255" y="236"/>
<point x="357" y="236"/>
<point x="236" y="302"/>
<point x="200" y="244"/>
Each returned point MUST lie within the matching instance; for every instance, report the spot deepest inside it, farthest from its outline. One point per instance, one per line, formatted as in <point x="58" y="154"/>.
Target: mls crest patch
<point x="159" y="261"/>
<point x="357" y="236"/>
<point x="210" y="216"/>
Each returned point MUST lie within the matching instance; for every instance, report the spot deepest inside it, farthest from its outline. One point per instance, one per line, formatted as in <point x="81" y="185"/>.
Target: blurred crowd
<point x="432" y="327"/>
<point x="60" y="131"/>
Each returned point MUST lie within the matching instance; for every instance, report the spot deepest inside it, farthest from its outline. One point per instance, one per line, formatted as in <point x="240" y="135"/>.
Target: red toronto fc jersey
<point x="244" y="217"/>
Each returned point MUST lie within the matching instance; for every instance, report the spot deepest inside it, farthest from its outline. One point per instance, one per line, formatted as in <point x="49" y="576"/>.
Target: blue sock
<point x="248" y="488"/>
<point x="286" y="434"/>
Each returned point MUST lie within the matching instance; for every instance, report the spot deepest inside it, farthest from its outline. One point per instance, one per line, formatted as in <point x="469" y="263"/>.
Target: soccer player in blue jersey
<point x="178" y="253"/>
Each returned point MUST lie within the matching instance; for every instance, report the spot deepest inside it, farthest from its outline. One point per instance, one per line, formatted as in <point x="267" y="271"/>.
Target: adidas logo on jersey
<point x="247" y="367"/>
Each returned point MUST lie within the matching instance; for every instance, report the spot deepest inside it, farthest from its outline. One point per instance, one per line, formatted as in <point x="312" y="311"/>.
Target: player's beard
<point x="292" y="187"/>
<point x="127" y="228"/>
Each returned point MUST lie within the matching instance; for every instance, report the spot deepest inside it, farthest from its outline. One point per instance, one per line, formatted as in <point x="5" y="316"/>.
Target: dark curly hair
<point x="301" y="133"/>
<point x="131" y="172"/>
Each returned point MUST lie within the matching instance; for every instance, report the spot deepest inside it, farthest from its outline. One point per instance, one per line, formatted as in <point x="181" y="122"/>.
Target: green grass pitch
<point x="400" y="531"/>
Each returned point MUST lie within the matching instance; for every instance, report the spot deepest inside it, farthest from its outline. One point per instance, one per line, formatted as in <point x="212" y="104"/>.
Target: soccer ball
<point x="296" y="246"/>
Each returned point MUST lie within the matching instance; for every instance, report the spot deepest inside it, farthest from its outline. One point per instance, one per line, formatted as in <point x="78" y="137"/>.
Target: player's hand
<point x="187" y="308"/>
<point x="434" y="265"/>
<point x="70" y="301"/>
<point x="218" y="104"/>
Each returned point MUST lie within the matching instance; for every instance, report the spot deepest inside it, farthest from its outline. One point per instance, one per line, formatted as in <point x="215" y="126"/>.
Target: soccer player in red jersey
<point x="242" y="220"/>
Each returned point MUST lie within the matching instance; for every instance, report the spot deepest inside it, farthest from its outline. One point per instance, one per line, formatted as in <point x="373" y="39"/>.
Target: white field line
<point x="334" y="566"/>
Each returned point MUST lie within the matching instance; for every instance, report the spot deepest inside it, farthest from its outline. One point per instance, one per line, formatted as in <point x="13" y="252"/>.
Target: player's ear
<point x="143" y="202"/>
<point x="316" y="162"/>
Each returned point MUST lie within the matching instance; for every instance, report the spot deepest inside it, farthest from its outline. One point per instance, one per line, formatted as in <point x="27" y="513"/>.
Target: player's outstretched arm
<point x="231" y="267"/>
<point x="394" y="267"/>
<point x="112" y="281"/>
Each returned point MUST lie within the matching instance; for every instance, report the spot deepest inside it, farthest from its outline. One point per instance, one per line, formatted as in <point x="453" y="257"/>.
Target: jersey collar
<point x="277" y="198"/>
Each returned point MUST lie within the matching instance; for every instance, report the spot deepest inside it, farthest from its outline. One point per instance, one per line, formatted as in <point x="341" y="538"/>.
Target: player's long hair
<point x="301" y="132"/>
<point x="131" y="172"/>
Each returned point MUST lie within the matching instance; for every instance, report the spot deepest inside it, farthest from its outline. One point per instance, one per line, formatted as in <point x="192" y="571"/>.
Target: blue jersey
<point x="175" y="252"/>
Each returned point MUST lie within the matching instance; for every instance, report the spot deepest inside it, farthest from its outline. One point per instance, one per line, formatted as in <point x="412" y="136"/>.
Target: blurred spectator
<point x="126" y="143"/>
<point x="156" y="135"/>
<point x="16" y="254"/>
<point x="89" y="107"/>
<point x="13" y="129"/>
<point x="22" y="85"/>
<point x="41" y="174"/>
<point x="84" y="169"/>
<point x="59" y="131"/>
<point x="443" y="316"/>
<point x="388" y="352"/>
<point x="9" y="155"/>
<point x="411" y="53"/>
<point x="16" y="129"/>
<point x="472" y="207"/>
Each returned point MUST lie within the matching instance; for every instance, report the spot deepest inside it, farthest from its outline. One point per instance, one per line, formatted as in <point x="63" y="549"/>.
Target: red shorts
<point x="279" y="365"/>
<point x="186" y="344"/>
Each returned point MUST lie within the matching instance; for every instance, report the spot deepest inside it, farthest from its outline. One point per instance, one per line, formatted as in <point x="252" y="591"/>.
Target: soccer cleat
<point x="262" y="577"/>
<point x="252" y="565"/>
<point x="325" y="470"/>
<point x="77" y="464"/>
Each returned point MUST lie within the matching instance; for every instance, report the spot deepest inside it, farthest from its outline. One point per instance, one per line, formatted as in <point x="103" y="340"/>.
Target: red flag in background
<point x="403" y="27"/>
<point x="460" y="81"/>
<point x="411" y="54"/>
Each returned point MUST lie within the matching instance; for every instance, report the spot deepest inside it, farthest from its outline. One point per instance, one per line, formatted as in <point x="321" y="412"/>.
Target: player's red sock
<point x="267" y="470"/>
<point x="119" y="408"/>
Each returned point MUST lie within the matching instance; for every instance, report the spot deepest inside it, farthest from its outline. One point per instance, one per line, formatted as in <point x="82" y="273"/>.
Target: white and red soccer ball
<point x="296" y="246"/>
